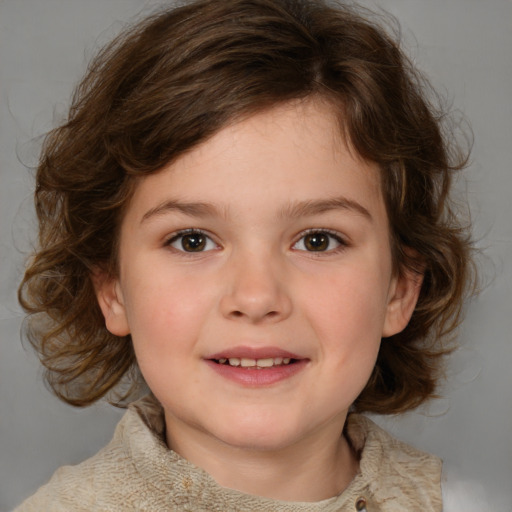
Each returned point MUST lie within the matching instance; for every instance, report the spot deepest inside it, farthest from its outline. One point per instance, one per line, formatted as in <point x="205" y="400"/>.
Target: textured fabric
<point x="137" y="472"/>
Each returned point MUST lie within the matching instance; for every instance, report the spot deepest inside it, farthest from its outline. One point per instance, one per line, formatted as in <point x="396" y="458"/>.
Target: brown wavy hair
<point x="173" y="80"/>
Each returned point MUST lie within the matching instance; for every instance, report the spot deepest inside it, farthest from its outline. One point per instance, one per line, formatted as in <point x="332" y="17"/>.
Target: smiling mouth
<point x="257" y="367"/>
<point x="256" y="364"/>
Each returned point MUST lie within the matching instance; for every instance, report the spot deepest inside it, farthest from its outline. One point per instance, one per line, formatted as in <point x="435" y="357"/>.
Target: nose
<point x="256" y="290"/>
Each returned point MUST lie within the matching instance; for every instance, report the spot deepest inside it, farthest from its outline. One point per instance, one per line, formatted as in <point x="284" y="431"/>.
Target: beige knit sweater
<point x="137" y="472"/>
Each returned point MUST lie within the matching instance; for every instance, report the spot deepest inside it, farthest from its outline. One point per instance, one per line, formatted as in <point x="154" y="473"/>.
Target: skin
<point x="255" y="189"/>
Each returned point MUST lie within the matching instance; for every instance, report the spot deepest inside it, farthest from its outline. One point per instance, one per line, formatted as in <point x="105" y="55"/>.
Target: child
<point x="249" y="205"/>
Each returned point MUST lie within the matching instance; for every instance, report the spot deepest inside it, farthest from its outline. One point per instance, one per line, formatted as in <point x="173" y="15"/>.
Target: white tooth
<point x="222" y="360"/>
<point x="286" y="360"/>
<point x="278" y="360"/>
<point x="246" y="362"/>
<point x="265" y="363"/>
<point x="234" y="361"/>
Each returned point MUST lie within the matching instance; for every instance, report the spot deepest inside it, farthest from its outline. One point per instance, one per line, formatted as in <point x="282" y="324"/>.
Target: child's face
<point x="269" y="241"/>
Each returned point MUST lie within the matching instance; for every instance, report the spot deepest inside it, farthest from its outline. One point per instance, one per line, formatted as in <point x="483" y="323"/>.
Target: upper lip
<point x="254" y="353"/>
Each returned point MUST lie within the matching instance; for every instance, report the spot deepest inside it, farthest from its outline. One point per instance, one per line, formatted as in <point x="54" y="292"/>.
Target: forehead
<point x="292" y="152"/>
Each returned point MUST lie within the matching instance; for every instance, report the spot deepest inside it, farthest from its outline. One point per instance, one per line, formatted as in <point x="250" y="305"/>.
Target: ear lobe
<point x="110" y="300"/>
<point x="403" y="299"/>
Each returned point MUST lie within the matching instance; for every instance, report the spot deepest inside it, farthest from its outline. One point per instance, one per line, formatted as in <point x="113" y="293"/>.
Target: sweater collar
<point x="142" y="431"/>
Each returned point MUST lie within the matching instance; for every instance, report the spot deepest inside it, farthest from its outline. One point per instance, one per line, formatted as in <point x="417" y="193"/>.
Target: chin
<point x="258" y="435"/>
<point x="260" y="443"/>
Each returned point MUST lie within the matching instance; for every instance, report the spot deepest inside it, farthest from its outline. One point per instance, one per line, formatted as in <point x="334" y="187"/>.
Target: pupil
<point x="317" y="242"/>
<point x="193" y="243"/>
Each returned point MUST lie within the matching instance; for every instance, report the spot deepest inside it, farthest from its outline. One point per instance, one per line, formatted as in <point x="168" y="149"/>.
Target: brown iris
<point x="316" y="241"/>
<point x="194" y="242"/>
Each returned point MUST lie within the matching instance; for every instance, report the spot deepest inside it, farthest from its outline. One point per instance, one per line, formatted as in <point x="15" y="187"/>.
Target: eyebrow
<point x="190" y="209"/>
<point x="305" y="208"/>
<point x="300" y="209"/>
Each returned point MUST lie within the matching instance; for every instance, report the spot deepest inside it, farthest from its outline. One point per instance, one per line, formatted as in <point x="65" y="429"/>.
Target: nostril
<point x="240" y="314"/>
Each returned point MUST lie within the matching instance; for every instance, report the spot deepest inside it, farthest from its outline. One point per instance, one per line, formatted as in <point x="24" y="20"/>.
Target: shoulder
<point x="111" y="476"/>
<point x="399" y="473"/>
<point x="80" y="487"/>
<point x="379" y="449"/>
<point x="399" y="476"/>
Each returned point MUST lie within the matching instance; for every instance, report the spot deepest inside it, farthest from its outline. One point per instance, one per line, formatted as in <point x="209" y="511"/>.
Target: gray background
<point x="465" y="46"/>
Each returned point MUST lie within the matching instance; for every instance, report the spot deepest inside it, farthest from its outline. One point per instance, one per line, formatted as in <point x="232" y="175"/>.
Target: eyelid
<point x="339" y="237"/>
<point x="173" y="237"/>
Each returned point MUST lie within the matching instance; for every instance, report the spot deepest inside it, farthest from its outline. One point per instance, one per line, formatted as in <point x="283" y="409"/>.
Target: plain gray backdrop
<point x="464" y="46"/>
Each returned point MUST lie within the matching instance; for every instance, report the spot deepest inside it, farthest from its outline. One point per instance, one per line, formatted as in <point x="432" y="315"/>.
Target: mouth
<point x="256" y="364"/>
<point x="256" y="367"/>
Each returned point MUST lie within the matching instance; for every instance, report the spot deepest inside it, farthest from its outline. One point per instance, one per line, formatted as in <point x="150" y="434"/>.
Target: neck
<point x="312" y="469"/>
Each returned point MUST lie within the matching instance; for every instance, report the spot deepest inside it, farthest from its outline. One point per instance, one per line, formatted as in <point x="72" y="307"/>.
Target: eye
<point x="319" y="241"/>
<point x="192" y="240"/>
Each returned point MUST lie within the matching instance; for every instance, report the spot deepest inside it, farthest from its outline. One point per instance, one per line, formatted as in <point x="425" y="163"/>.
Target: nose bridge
<point x="256" y="288"/>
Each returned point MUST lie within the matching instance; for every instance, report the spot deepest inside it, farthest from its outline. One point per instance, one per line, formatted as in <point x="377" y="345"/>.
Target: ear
<point x="403" y="296"/>
<point x="110" y="300"/>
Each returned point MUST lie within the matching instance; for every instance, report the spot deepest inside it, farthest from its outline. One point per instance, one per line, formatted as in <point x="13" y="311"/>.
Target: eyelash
<point x="189" y="232"/>
<point x="333" y="235"/>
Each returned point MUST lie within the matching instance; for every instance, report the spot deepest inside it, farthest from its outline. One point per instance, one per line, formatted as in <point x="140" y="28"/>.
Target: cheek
<point x="353" y="301"/>
<point x="165" y="314"/>
<point x="347" y="313"/>
<point x="165" y="322"/>
<point x="352" y="330"/>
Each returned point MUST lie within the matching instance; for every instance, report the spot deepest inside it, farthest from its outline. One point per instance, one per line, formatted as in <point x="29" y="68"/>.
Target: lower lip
<point x="253" y="377"/>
